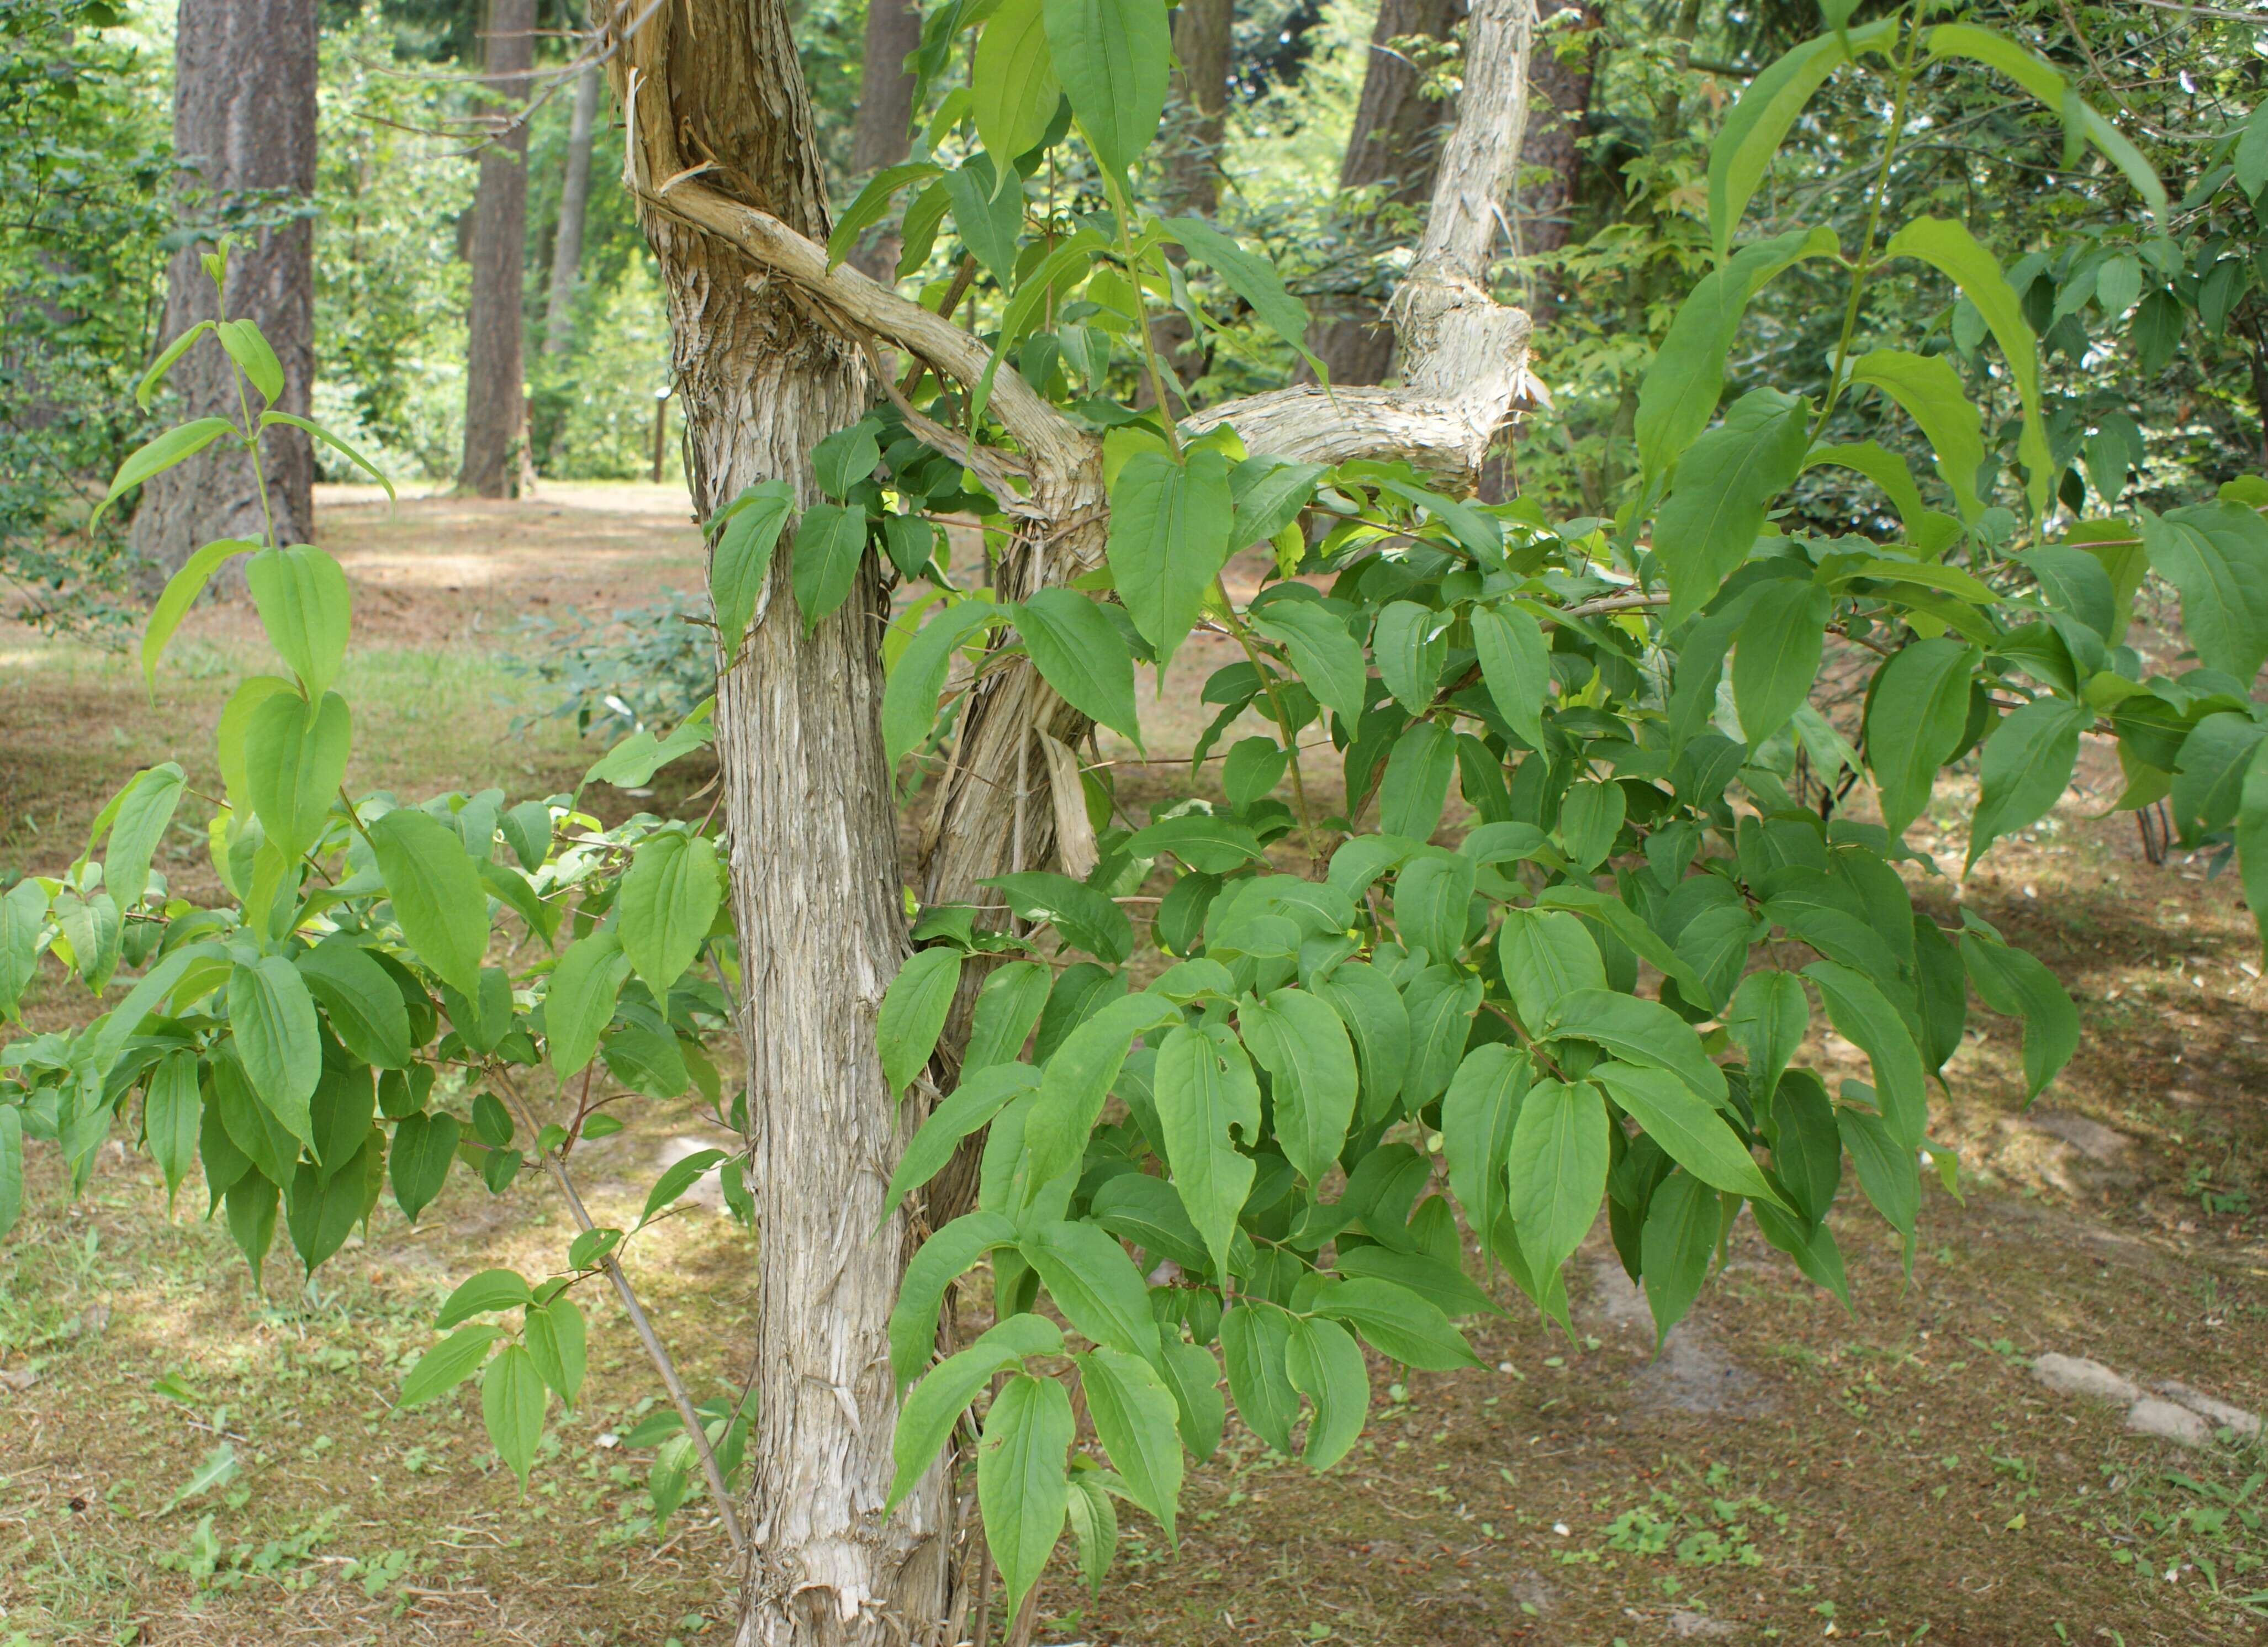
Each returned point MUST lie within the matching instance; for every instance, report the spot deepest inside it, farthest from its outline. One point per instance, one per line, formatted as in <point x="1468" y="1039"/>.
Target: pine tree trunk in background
<point x="1561" y="99"/>
<point x="879" y="136"/>
<point x="813" y="856"/>
<point x="1394" y="141"/>
<point x="1196" y="118"/>
<point x="574" y="196"/>
<point x="244" y="118"/>
<point x="495" y="401"/>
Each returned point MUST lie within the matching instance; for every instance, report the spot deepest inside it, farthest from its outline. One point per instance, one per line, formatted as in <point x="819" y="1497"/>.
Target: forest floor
<point x="184" y="1459"/>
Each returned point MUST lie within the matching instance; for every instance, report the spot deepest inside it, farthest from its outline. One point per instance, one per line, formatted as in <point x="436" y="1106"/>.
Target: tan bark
<point x="244" y="120"/>
<point x="495" y="399"/>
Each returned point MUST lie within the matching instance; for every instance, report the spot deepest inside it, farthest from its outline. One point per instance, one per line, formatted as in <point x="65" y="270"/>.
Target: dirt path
<point x="1783" y="1470"/>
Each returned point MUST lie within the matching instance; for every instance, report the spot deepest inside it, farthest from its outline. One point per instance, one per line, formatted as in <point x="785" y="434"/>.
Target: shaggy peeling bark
<point x="768" y="346"/>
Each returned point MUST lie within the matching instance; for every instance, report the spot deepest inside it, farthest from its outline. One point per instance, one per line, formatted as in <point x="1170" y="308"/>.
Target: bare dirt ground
<point x="1780" y="1471"/>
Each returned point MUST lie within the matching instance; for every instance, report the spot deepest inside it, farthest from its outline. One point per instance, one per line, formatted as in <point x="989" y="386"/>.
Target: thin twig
<point x="711" y="1472"/>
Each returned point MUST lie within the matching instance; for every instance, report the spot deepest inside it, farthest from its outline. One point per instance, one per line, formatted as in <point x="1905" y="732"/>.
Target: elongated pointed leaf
<point x="1080" y="653"/>
<point x="1169" y="538"/>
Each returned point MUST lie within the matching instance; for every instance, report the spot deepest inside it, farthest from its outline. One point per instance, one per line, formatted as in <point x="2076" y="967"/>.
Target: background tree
<point x="244" y="136"/>
<point x="495" y="399"/>
<point x="574" y="197"/>
<point x="881" y="132"/>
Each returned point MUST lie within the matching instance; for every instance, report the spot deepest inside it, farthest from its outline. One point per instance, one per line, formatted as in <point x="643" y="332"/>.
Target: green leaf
<point x="667" y="902"/>
<point x="448" y="1363"/>
<point x="1169" y="528"/>
<point x="272" y="1019"/>
<point x="1014" y="87"/>
<point x="631" y="762"/>
<point x="988" y="208"/>
<point x="742" y="557"/>
<point x="1135" y="1419"/>
<point x="1078" y="1077"/>
<point x="1679" y="393"/>
<point x="831" y="541"/>
<point x="269" y="418"/>
<point x="173" y="1112"/>
<point x="1929" y="391"/>
<point x="2047" y="83"/>
<point x="1328" y="658"/>
<point x="554" y="1339"/>
<point x="1591" y="815"/>
<point x="2017" y="985"/>
<point x="1689" y="1131"/>
<point x="1269" y="493"/>
<point x="1094" y="1284"/>
<point x="1543" y="956"/>
<point x="2217" y="556"/>
<point x="2074" y="581"/>
<point x="512" y="1400"/>
<point x="1378" y="1023"/>
<point x="976" y="1101"/>
<point x="1254" y="1340"/>
<point x="1558" y="1170"/>
<point x="424" y="1144"/>
<point x="580" y="1002"/>
<point x="1088" y="919"/>
<point x="1095" y="1524"/>
<point x="1638" y="1031"/>
<point x="1887" y="471"/>
<point x="1682" y="1221"/>
<point x="1253" y="276"/>
<point x="138" y="821"/>
<point x="436" y="893"/>
<point x="1080" y="653"/>
<point x="1113" y="57"/>
<point x="1515" y="666"/>
<point x="1478" y="1116"/>
<point x="1914" y="723"/>
<point x="1888" y="1172"/>
<point x="1776" y="655"/>
<point x="295" y="758"/>
<point x="1769" y="1017"/>
<point x="1325" y="1364"/>
<point x="1949" y="247"/>
<point x="1195" y="1378"/>
<point x="490" y="1290"/>
<point x="2252" y="836"/>
<point x="679" y="1178"/>
<point x="361" y="1001"/>
<point x="1300" y="1042"/>
<point x="1207" y="844"/>
<point x="253" y="356"/>
<point x="1440" y="1001"/>
<point x="934" y="1266"/>
<point x="1137" y="1208"/>
<point x="306" y="609"/>
<point x="1415" y="786"/>
<point x="2027" y="765"/>
<point x="1020" y="1484"/>
<point x="869" y="207"/>
<point x="846" y="458"/>
<point x="1759" y="123"/>
<point x="181" y="592"/>
<point x="1719" y="491"/>
<point x="926" y="1420"/>
<point x="1007" y="1007"/>
<point x="1410" y="649"/>
<point x="11" y="1167"/>
<point x="1396" y="1323"/>
<point x="913" y="1013"/>
<point x="1207" y="1098"/>
<point x="1432" y="898"/>
<point x="144" y="390"/>
<point x="909" y="696"/>
<point x="176" y="445"/>
<point x="1863" y="1016"/>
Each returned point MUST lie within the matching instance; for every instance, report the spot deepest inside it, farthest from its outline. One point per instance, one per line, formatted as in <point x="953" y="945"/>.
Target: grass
<point x="185" y="1458"/>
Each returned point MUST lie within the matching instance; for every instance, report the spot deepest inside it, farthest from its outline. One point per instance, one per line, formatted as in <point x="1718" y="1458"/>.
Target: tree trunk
<point x="812" y="859"/>
<point x="1542" y="213"/>
<point x="574" y="196"/>
<point x="495" y="401"/>
<point x="1196" y="117"/>
<point x="766" y="341"/>
<point x="880" y="135"/>
<point x="1394" y="143"/>
<point x="244" y="120"/>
